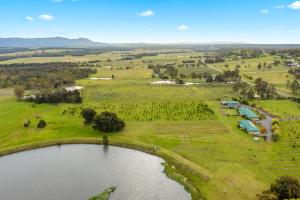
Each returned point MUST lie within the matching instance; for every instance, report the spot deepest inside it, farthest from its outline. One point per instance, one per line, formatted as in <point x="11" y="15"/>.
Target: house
<point x="230" y="104"/>
<point x="249" y="127"/>
<point x="248" y="113"/>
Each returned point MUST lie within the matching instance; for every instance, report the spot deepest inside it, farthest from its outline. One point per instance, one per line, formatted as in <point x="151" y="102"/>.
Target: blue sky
<point x="154" y="21"/>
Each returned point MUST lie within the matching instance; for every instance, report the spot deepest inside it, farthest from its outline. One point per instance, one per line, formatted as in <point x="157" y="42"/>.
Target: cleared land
<point x="184" y="123"/>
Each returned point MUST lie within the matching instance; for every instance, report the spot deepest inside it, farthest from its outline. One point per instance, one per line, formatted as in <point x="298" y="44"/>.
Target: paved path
<point x="267" y="124"/>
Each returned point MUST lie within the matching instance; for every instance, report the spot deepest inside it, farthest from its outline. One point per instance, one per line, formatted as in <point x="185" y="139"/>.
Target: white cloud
<point x="29" y="18"/>
<point x="46" y="17"/>
<point x="146" y="13"/>
<point x="279" y="6"/>
<point x="264" y="11"/>
<point x="182" y="27"/>
<point x="295" y="5"/>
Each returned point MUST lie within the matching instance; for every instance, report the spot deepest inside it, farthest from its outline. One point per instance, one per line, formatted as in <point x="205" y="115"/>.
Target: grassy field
<point x="277" y="75"/>
<point x="184" y="123"/>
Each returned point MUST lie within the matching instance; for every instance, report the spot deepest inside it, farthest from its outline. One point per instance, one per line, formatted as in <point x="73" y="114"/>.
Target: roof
<point x="231" y="103"/>
<point x="244" y="111"/>
<point x="248" y="125"/>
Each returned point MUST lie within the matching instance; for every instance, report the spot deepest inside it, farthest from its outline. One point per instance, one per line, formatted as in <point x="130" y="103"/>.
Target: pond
<point x="77" y="172"/>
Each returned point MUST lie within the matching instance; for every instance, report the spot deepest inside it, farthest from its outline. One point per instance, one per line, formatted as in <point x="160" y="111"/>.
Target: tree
<point x="259" y="66"/>
<point x="286" y="188"/>
<point x="88" y="114"/>
<point x="19" y="92"/>
<point x="172" y="71"/>
<point x="41" y="124"/>
<point x="295" y="87"/>
<point x="108" y="122"/>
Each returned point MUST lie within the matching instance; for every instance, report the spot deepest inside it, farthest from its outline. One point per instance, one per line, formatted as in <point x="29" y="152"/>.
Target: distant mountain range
<point x="60" y="42"/>
<point x="48" y="42"/>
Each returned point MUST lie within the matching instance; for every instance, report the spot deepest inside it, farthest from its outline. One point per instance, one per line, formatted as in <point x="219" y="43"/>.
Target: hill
<point x="48" y="42"/>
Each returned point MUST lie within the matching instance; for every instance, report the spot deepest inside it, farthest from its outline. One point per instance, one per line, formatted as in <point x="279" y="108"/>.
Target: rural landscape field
<point x="152" y="120"/>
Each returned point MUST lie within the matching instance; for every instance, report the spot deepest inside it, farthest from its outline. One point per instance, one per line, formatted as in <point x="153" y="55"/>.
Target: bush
<point x="27" y="123"/>
<point x="57" y="96"/>
<point x="285" y="187"/>
<point x="88" y="114"/>
<point x="41" y="124"/>
<point x="108" y="122"/>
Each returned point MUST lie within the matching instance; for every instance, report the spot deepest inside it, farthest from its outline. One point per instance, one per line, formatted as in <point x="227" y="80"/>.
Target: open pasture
<point x="285" y="109"/>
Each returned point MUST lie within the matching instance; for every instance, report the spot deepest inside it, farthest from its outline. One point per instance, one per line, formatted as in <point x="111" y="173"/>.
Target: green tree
<point x="286" y="187"/>
<point x="295" y="87"/>
<point x="42" y="124"/>
<point x="108" y="122"/>
<point x="88" y="114"/>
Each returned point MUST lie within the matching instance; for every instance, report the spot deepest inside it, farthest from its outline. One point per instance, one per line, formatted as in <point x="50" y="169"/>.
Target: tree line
<point x="35" y="76"/>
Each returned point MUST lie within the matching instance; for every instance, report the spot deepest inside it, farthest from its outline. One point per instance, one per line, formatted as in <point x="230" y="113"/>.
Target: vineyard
<point x="287" y="153"/>
<point x="216" y="92"/>
<point x="145" y="102"/>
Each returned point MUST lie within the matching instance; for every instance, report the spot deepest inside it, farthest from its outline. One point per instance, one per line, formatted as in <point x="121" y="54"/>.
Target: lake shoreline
<point x="173" y="168"/>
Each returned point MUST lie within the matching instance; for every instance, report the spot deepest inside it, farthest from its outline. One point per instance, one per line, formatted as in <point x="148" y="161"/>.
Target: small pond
<point x="77" y="172"/>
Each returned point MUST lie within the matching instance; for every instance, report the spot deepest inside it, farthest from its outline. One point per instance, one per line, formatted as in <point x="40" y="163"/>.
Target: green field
<point x="185" y="124"/>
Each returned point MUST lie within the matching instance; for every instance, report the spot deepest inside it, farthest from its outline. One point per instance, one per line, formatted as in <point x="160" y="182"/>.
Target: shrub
<point x="285" y="187"/>
<point x="108" y="122"/>
<point x="27" y="123"/>
<point x="41" y="124"/>
<point x="88" y="114"/>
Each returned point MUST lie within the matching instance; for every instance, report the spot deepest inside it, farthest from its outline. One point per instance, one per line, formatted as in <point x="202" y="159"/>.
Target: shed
<point x="249" y="127"/>
<point x="248" y="113"/>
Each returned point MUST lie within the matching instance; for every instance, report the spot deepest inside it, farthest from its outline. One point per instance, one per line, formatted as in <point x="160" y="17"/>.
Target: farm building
<point x="167" y="82"/>
<point x="248" y="113"/>
<point x="230" y="104"/>
<point x="73" y="88"/>
<point x="249" y="127"/>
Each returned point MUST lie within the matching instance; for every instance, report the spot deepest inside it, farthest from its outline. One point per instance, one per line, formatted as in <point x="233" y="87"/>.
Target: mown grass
<point x="200" y="150"/>
<point x="210" y="156"/>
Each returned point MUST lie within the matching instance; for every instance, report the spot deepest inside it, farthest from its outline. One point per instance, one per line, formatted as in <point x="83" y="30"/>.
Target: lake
<point x="77" y="172"/>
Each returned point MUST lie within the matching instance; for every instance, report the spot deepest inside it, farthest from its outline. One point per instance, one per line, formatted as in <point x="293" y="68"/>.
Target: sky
<point x="154" y="21"/>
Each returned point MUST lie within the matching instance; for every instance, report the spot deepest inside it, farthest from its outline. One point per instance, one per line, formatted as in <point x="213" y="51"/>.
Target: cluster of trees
<point x="56" y="96"/>
<point x="138" y="56"/>
<point x="263" y="66"/>
<point x="105" y="122"/>
<point x="286" y="52"/>
<point x="294" y="86"/>
<point x="244" y="90"/>
<point x="284" y="188"/>
<point x="242" y="53"/>
<point x="265" y="90"/>
<point x="295" y="72"/>
<point x="228" y="76"/>
<point x="37" y="76"/>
